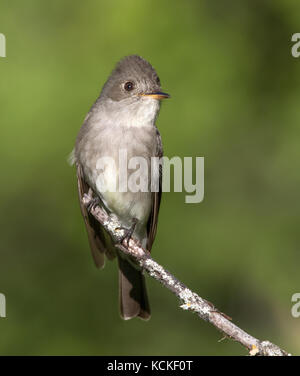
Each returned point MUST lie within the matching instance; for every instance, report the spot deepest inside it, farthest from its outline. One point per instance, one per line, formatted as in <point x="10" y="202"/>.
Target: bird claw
<point x="128" y="232"/>
<point x="94" y="202"/>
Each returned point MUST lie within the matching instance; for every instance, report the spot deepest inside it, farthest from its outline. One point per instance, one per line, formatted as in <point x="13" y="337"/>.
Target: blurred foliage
<point x="235" y="100"/>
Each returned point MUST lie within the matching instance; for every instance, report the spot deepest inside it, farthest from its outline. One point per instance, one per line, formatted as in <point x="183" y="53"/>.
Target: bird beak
<point x="156" y="95"/>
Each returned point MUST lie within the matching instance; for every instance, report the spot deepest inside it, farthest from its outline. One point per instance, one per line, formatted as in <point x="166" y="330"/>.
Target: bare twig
<point x="190" y="300"/>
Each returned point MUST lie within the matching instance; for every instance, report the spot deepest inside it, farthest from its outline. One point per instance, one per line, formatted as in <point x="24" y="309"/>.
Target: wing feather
<point x="156" y="199"/>
<point x="94" y="231"/>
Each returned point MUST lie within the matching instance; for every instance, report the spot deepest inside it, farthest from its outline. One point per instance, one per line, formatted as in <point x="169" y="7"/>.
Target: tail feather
<point x="132" y="292"/>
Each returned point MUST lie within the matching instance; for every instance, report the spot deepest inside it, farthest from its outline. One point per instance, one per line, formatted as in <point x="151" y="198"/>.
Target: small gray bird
<point x="122" y="118"/>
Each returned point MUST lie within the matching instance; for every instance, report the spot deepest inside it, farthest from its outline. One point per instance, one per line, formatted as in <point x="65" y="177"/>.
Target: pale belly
<point x="137" y="143"/>
<point x="128" y="205"/>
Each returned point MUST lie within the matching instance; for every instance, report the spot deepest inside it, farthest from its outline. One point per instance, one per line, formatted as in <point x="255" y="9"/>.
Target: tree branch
<point x="190" y="300"/>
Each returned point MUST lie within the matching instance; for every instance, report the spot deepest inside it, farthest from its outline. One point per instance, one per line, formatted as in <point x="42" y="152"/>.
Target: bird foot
<point x="128" y="232"/>
<point x="94" y="202"/>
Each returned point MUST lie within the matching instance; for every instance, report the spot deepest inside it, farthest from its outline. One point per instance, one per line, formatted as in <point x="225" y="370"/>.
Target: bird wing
<point x="156" y="198"/>
<point x="95" y="233"/>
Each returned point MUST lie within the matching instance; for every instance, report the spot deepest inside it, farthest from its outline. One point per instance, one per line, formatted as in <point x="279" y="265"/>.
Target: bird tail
<point x="132" y="292"/>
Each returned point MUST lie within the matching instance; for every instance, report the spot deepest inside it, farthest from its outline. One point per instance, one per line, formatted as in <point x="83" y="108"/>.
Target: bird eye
<point x="157" y="80"/>
<point x="128" y="86"/>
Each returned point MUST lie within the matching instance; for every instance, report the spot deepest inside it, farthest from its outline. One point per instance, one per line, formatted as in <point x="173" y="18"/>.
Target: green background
<point x="235" y="100"/>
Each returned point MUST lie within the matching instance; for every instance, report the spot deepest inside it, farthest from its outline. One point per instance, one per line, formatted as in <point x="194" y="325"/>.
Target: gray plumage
<point x="122" y="119"/>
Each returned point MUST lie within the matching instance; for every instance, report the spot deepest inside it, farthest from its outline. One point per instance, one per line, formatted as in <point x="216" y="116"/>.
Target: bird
<point x="122" y="118"/>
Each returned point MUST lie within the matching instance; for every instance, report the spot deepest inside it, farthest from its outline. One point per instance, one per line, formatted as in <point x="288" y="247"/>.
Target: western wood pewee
<point x="122" y="119"/>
